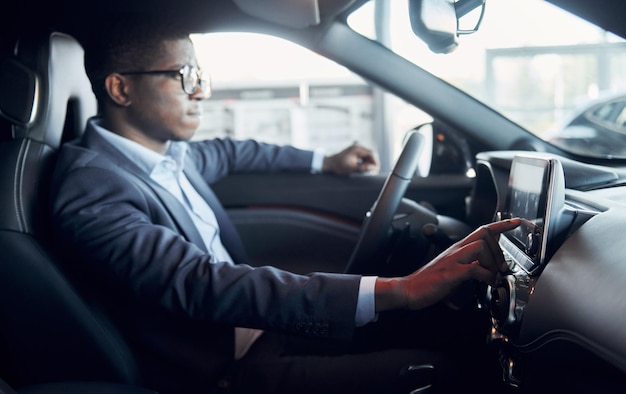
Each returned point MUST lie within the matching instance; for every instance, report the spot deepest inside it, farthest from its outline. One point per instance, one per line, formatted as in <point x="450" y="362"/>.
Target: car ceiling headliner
<point x="609" y="14"/>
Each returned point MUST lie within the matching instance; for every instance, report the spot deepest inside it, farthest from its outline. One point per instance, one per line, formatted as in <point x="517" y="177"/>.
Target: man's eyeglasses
<point x="190" y="77"/>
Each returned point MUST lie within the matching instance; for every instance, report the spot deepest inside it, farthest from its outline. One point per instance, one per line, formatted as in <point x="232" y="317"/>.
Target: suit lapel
<point x="135" y="175"/>
<point x="228" y="233"/>
<point x="184" y="223"/>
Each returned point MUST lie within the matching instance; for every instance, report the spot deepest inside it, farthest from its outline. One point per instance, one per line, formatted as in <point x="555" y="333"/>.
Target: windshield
<point x="553" y="73"/>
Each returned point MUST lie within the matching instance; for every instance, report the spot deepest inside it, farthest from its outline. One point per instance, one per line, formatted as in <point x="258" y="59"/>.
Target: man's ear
<point x="117" y="86"/>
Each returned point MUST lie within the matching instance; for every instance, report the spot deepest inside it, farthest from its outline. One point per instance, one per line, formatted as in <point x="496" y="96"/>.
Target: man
<point x="134" y="209"/>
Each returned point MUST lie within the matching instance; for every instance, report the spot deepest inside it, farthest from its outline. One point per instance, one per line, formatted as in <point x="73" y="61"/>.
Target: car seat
<point x="50" y="332"/>
<point x="75" y="388"/>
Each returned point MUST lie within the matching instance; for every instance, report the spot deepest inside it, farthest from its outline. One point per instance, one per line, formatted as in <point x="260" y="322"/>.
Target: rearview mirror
<point x="436" y="22"/>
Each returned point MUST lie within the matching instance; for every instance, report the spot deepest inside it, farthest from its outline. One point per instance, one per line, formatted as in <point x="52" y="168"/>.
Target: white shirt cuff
<point x="365" y="306"/>
<point x="317" y="162"/>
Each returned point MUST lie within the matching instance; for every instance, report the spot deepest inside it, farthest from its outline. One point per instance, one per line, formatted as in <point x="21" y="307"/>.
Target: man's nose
<point x="202" y="91"/>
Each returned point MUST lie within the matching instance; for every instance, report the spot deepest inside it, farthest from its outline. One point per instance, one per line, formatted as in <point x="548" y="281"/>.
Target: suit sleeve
<point x="124" y="231"/>
<point x="220" y="157"/>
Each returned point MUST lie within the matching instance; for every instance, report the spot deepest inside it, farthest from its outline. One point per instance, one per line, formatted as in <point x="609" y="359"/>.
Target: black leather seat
<point x="50" y="332"/>
<point x="74" y="388"/>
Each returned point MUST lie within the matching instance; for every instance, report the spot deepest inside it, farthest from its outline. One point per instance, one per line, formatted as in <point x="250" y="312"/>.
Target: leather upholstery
<point x="51" y="332"/>
<point x="75" y="388"/>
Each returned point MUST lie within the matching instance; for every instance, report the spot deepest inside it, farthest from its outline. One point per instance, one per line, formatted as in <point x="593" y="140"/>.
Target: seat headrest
<point x="18" y="88"/>
<point x="44" y="89"/>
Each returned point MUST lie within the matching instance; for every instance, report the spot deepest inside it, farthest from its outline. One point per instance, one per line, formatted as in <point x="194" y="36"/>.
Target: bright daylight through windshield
<point x="555" y="74"/>
<point x="534" y="63"/>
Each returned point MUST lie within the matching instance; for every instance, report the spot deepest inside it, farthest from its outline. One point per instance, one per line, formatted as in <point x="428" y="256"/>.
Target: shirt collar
<point x="148" y="160"/>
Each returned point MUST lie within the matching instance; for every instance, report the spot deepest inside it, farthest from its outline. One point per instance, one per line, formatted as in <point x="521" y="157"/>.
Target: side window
<point x="605" y="112"/>
<point x="274" y="91"/>
<point x="611" y="116"/>
<point x="620" y="121"/>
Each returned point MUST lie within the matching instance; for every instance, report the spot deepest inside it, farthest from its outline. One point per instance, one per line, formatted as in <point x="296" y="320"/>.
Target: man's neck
<point x="135" y="135"/>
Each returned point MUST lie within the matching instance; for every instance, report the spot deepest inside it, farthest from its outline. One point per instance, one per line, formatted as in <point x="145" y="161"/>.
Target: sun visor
<point x="297" y="14"/>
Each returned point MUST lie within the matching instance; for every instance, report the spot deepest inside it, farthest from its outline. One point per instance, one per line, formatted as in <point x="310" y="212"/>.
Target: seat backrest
<point x="51" y="332"/>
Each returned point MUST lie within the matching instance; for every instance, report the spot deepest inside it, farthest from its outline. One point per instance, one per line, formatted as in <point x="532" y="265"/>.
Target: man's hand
<point x="354" y="158"/>
<point x="478" y="256"/>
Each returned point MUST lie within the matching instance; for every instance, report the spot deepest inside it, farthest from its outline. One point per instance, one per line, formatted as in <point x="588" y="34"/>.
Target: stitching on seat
<point x="18" y="184"/>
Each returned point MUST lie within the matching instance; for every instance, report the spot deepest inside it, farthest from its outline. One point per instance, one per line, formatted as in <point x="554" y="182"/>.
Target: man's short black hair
<point x="127" y="42"/>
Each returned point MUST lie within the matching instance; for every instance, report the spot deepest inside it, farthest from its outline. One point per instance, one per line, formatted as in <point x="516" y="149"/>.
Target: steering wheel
<point x="368" y="253"/>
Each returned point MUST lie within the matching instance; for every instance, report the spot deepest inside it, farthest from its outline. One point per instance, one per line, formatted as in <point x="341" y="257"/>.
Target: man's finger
<point x="492" y="230"/>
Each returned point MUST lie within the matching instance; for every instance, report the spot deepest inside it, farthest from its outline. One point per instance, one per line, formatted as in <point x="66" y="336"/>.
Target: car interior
<point x="51" y="101"/>
<point x="554" y="321"/>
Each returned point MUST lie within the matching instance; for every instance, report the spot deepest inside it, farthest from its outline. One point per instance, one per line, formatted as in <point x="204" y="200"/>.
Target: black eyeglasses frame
<point x="186" y="71"/>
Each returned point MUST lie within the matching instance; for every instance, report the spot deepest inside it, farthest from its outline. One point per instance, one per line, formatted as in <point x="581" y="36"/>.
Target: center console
<point x="536" y="195"/>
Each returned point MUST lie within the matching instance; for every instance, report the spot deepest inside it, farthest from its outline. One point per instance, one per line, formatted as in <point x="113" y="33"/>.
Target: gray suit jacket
<point x="137" y="249"/>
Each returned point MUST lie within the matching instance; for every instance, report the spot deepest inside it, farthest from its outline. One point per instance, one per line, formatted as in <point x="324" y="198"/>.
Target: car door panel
<point x="306" y="222"/>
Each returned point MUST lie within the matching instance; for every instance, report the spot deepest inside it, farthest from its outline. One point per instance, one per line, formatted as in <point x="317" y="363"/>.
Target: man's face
<point x="160" y="110"/>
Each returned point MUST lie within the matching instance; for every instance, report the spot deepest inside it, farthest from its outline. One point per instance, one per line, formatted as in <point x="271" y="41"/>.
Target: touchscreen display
<point x="526" y="201"/>
<point x="531" y="197"/>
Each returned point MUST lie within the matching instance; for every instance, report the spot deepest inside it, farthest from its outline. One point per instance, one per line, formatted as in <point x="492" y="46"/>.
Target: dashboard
<point x="558" y="314"/>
